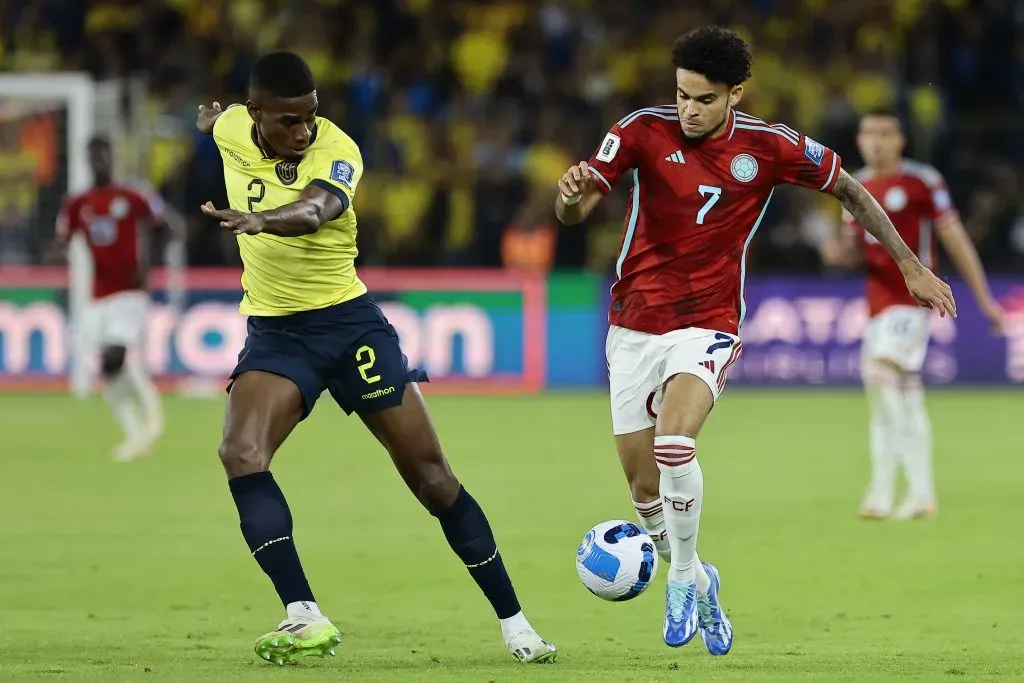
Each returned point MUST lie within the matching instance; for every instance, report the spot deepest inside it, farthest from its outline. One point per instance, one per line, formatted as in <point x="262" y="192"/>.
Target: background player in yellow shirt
<point x="291" y="176"/>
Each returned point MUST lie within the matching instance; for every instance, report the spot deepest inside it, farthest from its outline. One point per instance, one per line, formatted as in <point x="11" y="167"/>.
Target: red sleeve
<point x="940" y="205"/>
<point x="614" y="156"/>
<point x="67" y="219"/>
<point x="146" y="208"/>
<point x="807" y="163"/>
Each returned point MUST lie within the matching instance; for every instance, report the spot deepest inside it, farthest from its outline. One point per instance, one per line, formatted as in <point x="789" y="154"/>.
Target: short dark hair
<point x="716" y="53"/>
<point x="99" y="141"/>
<point x="282" y="74"/>
<point x="884" y="112"/>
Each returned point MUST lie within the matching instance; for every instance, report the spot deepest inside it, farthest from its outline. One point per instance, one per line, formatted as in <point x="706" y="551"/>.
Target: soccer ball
<point x="616" y="560"/>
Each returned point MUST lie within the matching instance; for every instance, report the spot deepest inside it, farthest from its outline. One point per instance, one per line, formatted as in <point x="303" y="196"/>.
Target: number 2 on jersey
<point x="256" y="195"/>
<point x="713" y="194"/>
<point x="366" y="365"/>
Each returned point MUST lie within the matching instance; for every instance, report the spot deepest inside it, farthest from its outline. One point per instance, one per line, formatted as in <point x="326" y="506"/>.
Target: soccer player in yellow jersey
<point x="290" y="177"/>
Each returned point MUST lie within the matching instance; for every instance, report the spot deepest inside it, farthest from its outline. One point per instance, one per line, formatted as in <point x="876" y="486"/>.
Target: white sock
<point x="302" y="609"/>
<point x="682" y="493"/>
<point x="652" y="519"/>
<point x="514" y="624"/>
<point x="120" y="397"/>
<point x="703" y="580"/>
<point x="149" y="397"/>
<point x="885" y="406"/>
<point x="917" y="436"/>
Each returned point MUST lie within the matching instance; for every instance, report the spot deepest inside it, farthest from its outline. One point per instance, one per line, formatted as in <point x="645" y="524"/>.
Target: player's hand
<point x="996" y="317"/>
<point x="928" y="290"/>
<point x="238" y="222"/>
<point x="576" y="180"/>
<point x="207" y="116"/>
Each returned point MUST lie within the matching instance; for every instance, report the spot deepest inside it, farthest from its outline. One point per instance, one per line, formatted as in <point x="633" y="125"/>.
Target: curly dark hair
<point x="714" y="52"/>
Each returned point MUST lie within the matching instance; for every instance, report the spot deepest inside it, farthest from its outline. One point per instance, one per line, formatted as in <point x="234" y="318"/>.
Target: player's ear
<point x="735" y="95"/>
<point x="254" y="112"/>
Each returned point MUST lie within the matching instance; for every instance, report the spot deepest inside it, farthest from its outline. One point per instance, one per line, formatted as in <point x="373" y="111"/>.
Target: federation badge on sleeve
<point x="609" y="148"/>
<point x="813" y="150"/>
<point x="342" y="172"/>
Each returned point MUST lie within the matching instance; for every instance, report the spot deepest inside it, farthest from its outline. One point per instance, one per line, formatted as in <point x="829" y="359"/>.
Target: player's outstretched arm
<point x="964" y="256"/>
<point x="578" y="195"/>
<point x="207" y="116"/>
<point x="924" y="285"/>
<point x="314" y="207"/>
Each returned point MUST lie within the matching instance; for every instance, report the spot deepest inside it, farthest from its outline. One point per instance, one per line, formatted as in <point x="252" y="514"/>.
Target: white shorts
<point x="639" y="364"/>
<point x="118" y="319"/>
<point x="899" y="334"/>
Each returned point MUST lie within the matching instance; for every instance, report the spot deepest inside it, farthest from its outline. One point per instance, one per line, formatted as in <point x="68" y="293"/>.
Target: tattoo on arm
<point x="872" y="217"/>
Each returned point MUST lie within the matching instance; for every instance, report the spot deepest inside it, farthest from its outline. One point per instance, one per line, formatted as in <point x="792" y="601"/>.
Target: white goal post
<point x="76" y="92"/>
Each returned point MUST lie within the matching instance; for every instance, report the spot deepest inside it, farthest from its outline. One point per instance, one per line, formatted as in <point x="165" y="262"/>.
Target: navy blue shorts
<point x="350" y="349"/>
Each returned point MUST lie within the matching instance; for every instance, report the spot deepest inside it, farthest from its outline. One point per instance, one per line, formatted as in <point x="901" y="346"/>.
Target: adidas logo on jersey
<point x="676" y="157"/>
<point x="709" y="364"/>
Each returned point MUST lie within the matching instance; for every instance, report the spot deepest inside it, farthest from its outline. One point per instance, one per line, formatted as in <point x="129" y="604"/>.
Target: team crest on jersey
<point x="813" y="150"/>
<point x="895" y="199"/>
<point x="609" y="148"/>
<point x="287" y="171"/>
<point x="743" y="167"/>
<point x="343" y="172"/>
<point x="119" y="208"/>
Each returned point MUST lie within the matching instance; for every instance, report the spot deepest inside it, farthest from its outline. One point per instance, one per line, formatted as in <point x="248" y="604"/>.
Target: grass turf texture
<point x="137" y="572"/>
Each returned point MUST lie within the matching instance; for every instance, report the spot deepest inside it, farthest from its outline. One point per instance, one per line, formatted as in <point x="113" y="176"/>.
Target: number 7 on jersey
<point x="712" y="193"/>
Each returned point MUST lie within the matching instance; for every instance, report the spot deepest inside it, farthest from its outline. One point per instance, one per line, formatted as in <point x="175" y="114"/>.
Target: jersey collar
<point x="268" y="155"/>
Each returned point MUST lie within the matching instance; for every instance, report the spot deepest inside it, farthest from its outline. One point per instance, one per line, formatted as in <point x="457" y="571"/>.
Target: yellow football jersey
<point x="283" y="275"/>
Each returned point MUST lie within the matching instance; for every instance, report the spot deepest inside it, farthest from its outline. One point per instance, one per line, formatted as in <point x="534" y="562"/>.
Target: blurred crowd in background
<point x="468" y="112"/>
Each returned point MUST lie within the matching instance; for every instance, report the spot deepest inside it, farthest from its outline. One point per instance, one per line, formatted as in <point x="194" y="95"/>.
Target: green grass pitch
<point x="137" y="572"/>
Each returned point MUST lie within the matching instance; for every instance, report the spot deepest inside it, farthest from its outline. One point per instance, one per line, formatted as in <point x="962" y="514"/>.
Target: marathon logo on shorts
<point x="813" y="150"/>
<point x="609" y="148"/>
<point x="342" y="172"/>
<point x="378" y="393"/>
<point x="287" y="171"/>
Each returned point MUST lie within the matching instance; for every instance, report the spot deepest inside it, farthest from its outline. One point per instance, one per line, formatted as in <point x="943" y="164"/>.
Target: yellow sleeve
<point x="338" y="169"/>
<point x="233" y="127"/>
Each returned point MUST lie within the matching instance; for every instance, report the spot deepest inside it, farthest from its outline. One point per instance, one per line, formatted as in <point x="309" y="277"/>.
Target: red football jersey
<point x="917" y="201"/>
<point x="693" y="209"/>
<point x="110" y="218"/>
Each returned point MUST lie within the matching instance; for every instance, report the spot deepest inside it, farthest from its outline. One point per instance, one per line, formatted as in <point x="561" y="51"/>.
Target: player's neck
<point x="103" y="181"/>
<point x="887" y="169"/>
<point x="720" y="131"/>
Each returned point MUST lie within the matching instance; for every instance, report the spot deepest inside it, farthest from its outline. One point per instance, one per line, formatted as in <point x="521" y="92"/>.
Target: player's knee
<point x="242" y="457"/>
<point x="112" y="361"/>
<point x="434" y="484"/>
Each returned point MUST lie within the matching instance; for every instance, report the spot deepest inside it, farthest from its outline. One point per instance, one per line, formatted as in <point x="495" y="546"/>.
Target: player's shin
<point x="885" y="442"/>
<point x="149" y="398"/>
<point x="917" y="433"/>
<point x="266" y="523"/>
<point x="682" y="492"/>
<point x="469" y="534"/>
<point x="652" y="519"/>
<point x="120" y="397"/>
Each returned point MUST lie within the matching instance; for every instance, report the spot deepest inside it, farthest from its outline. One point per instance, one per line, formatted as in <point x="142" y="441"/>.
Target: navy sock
<point x="266" y="525"/>
<point x="468" y="533"/>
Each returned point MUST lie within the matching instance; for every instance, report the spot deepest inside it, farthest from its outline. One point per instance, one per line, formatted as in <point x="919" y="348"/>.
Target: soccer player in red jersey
<point x="114" y="220"/>
<point x="916" y="198"/>
<point x="701" y="175"/>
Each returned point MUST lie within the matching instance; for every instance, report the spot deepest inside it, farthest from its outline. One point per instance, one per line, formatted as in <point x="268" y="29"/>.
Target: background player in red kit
<point x="896" y="340"/>
<point x="114" y="220"/>
<point x="701" y="174"/>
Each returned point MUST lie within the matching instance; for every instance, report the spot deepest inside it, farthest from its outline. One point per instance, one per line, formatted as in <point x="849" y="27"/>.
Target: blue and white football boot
<point x="715" y="629"/>
<point x="680" y="613"/>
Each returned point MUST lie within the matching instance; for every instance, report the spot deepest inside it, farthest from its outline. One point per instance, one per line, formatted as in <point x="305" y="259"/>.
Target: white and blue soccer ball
<point x="616" y="560"/>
